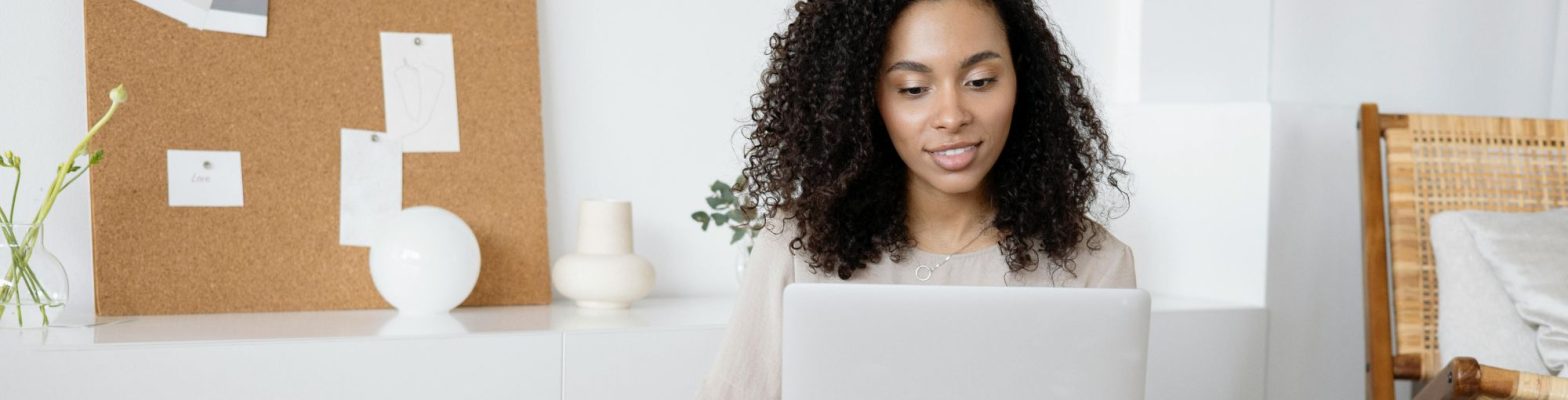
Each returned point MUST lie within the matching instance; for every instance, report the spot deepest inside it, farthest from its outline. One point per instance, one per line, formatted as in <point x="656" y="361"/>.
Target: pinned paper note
<point x="205" y="179"/>
<point x="420" y="88"/>
<point x="246" y="17"/>
<point x="371" y="187"/>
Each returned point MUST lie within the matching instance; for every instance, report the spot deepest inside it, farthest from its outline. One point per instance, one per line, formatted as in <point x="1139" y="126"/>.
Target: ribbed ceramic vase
<point x="603" y="273"/>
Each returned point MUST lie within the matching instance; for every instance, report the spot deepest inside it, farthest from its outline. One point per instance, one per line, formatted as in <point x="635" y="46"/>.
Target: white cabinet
<point x="653" y="364"/>
<point x="661" y="349"/>
<point x="523" y="366"/>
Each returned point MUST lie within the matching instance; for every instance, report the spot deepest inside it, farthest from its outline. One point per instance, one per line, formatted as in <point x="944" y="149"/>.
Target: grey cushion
<point x="1475" y="316"/>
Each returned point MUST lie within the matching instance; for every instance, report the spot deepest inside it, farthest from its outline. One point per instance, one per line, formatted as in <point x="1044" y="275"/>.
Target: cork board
<point x="280" y="101"/>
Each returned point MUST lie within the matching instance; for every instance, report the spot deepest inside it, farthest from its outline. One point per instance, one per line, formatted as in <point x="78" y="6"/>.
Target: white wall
<point x="644" y="101"/>
<point x="1103" y="37"/>
<point x="1184" y="90"/>
<point x="1314" y="252"/>
<point x="1198" y="222"/>
<point x="1205" y="51"/>
<point x="43" y="113"/>
<point x="1559" y="105"/>
<point x="1452" y="56"/>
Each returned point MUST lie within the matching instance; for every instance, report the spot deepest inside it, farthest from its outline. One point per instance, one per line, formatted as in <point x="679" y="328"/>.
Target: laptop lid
<point x="856" y="341"/>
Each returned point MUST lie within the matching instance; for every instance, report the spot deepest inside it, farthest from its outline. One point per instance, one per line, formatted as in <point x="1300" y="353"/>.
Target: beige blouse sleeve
<point x="1119" y="271"/>
<point x="750" y="358"/>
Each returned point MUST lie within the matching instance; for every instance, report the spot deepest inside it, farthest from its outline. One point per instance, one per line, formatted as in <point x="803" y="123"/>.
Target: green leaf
<point x="740" y="183"/>
<point x="739" y="233"/>
<point x="74" y="168"/>
<point x="96" y="158"/>
<point x="721" y="218"/>
<point x="715" y="201"/>
<point x="701" y="217"/>
<point x="737" y="215"/>
<point x="728" y="197"/>
<point x="720" y="187"/>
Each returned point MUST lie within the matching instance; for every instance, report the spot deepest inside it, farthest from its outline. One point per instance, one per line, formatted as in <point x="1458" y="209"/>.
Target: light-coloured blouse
<point x="748" y="366"/>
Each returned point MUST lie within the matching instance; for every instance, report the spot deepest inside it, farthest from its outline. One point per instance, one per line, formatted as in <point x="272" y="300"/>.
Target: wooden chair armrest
<point x="1466" y="379"/>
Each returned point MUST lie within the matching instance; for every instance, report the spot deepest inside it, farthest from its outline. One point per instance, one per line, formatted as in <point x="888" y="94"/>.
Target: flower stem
<point x="20" y="272"/>
<point x="20" y="276"/>
<point x="78" y="175"/>
<point x="59" y="176"/>
<point x="15" y="188"/>
<point x="5" y="293"/>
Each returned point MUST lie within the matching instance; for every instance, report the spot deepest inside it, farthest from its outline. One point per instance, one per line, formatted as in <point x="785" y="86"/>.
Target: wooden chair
<point x="1436" y="163"/>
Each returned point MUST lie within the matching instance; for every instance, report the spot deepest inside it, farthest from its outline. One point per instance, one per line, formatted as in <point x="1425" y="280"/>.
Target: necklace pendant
<point x="923" y="273"/>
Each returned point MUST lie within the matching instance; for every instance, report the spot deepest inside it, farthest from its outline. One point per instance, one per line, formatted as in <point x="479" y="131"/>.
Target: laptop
<point x="859" y="341"/>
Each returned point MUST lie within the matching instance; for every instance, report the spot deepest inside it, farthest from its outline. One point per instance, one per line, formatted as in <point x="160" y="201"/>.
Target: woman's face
<point x="946" y="92"/>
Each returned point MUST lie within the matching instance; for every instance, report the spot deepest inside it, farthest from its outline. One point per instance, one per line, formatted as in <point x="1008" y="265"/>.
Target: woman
<point x="934" y="142"/>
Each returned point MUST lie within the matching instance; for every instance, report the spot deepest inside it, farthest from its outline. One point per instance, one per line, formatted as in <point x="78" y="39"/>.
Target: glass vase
<point x="33" y="286"/>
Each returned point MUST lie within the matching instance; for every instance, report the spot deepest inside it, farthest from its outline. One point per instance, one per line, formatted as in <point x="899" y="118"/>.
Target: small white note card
<point x="205" y="179"/>
<point x="372" y="185"/>
<point x="420" y="88"/>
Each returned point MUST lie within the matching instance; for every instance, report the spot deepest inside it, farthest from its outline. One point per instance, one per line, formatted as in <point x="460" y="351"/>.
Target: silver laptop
<point x="852" y="341"/>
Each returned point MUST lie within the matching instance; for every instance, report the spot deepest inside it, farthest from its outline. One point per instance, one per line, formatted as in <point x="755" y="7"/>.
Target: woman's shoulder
<point x="1100" y="241"/>
<point x="777" y="229"/>
<point x="772" y="249"/>
<point x="1103" y="260"/>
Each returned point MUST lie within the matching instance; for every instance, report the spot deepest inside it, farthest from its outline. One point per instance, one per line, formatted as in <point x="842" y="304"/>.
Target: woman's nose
<point x="951" y="113"/>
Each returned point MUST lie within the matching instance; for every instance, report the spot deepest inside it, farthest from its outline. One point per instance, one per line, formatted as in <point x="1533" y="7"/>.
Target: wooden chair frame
<point x="1396" y="202"/>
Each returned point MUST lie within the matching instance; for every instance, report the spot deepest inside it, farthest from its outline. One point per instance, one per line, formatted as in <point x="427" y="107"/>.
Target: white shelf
<point x="241" y="328"/>
<point x="661" y="348"/>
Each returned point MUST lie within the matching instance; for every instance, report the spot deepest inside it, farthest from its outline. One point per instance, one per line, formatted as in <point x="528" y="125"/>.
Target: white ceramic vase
<point x="425" y="261"/>
<point x="603" y="273"/>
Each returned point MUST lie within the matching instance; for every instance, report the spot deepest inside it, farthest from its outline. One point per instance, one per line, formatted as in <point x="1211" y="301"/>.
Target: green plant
<point x="19" y="278"/>
<point x="727" y="209"/>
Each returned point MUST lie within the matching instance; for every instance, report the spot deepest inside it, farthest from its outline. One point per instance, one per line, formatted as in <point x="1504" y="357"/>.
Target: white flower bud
<point x="118" y="95"/>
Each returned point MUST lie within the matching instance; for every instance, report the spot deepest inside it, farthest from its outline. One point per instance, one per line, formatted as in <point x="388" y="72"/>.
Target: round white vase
<point x="425" y="261"/>
<point x="603" y="273"/>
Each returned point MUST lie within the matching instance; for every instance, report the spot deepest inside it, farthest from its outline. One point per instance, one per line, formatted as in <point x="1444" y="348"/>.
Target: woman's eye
<point x="981" y="83"/>
<point x="913" y="91"/>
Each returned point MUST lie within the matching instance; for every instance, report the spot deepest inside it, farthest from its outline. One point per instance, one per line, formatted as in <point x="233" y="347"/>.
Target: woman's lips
<point x="954" y="159"/>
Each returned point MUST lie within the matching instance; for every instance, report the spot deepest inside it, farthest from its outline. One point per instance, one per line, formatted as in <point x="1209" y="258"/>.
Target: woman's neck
<point x="949" y="222"/>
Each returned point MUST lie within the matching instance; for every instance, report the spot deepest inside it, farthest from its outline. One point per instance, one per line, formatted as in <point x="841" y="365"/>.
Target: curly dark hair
<point x="820" y="155"/>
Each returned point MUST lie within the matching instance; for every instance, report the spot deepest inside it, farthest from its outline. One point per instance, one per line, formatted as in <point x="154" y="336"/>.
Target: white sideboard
<point x="660" y="349"/>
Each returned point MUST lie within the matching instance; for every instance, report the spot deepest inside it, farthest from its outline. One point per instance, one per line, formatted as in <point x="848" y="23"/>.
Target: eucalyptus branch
<point x="730" y="211"/>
